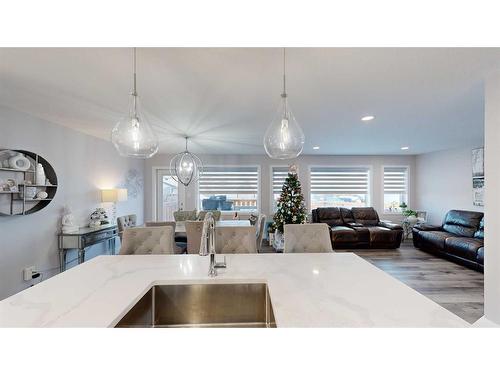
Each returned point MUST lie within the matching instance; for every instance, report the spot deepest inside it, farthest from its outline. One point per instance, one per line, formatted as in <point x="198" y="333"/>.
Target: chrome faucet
<point x="208" y="245"/>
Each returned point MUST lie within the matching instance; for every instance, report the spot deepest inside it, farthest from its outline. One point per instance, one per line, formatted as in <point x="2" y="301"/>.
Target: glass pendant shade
<point x="186" y="167"/>
<point x="284" y="139"/>
<point x="133" y="136"/>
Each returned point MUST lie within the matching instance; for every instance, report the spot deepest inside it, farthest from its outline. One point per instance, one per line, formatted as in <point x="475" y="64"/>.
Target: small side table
<point x="83" y="238"/>
<point x="408" y="227"/>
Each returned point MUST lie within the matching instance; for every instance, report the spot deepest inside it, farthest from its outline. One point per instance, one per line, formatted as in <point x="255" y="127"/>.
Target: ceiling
<point x="224" y="98"/>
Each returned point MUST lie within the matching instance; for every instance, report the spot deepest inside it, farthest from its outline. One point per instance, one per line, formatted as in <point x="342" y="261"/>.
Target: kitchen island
<point x="306" y="290"/>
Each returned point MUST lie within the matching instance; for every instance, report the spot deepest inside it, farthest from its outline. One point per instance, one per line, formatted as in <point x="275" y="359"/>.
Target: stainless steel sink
<point x="202" y="305"/>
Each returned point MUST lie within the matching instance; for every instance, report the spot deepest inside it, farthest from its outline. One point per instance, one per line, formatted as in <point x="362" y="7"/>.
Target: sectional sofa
<point x="460" y="238"/>
<point x="358" y="227"/>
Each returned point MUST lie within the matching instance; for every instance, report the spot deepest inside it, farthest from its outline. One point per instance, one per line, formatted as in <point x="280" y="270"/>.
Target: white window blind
<point x="395" y="180"/>
<point x="340" y="180"/>
<point x="229" y="180"/>
<point x="279" y="176"/>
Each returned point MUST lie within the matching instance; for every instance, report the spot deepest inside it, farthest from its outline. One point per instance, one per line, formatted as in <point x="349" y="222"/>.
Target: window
<point x="340" y="187"/>
<point x="279" y="174"/>
<point x="229" y="188"/>
<point x="395" y="188"/>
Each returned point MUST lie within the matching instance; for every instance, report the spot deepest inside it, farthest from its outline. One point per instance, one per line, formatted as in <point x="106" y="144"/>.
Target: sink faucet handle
<point x="221" y="264"/>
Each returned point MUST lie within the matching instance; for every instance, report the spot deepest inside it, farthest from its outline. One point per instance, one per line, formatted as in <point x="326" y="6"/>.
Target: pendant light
<point x="186" y="167"/>
<point x="132" y="135"/>
<point x="284" y="139"/>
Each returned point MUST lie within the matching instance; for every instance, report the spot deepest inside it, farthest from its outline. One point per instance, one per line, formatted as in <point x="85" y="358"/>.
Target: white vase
<point x="279" y="240"/>
<point x="40" y="175"/>
<point x="20" y="162"/>
<point x="412" y="219"/>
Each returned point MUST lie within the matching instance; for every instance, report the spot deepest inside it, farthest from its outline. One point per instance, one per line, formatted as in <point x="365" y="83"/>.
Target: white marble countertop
<point x="307" y="290"/>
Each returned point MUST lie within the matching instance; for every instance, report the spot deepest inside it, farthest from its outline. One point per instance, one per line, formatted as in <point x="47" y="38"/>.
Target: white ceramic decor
<point x="40" y="175"/>
<point x="42" y="195"/>
<point x="19" y="162"/>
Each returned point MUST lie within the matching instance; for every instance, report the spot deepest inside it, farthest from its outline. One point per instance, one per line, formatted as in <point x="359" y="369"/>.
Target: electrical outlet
<point x="28" y="273"/>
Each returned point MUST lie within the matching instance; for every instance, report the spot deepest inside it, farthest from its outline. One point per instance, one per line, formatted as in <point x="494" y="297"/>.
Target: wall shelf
<point x="32" y="200"/>
<point x="33" y="185"/>
<point x="15" y="203"/>
<point x="16" y="170"/>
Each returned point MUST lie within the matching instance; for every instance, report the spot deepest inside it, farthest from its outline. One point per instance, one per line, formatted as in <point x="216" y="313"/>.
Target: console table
<point x="83" y="238"/>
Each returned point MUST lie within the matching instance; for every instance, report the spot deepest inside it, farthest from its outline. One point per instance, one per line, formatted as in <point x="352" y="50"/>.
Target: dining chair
<point x="215" y="213"/>
<point x="147" y="240"/>
<point x="261" y="226"/>
<point x="177" y="238"/>
<point x="123" y="222"/>
<point x="233" y="240"/>
<point x="307" y="238"/>
<point x="182" y="215"/>
<point x="194" y="230"/>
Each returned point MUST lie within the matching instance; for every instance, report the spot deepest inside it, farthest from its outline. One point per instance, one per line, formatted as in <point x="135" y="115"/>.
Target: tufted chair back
<point x="233" y="240"/>
<point x="215" y="213"/>
<point x="150" y="240"/>
<point x="127" y="221"/>
<point x="307" y="238"/>
<point x="261" y="226"/>
<point x="171" y="224"/>
<point x="184" y="215"/>
<point x="194" y="230"/>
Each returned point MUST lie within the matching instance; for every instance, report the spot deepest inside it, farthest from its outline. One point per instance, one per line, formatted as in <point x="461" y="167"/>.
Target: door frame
<point x="181" y="201"/>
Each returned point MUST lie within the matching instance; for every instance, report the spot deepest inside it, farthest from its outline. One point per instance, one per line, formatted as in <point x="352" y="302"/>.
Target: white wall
<point x="84" y="165"/>
<point x="492" y="199"/>
<point x="444" y="182"/>
<point x="303" y="162"/>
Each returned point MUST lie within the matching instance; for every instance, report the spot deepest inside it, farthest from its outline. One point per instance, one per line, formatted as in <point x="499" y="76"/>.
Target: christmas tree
<point x="291" y="207"/>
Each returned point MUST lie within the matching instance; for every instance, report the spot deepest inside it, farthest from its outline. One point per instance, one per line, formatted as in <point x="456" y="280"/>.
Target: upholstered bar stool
<point x="194" y="230"/>
<point x="148" y="240"/>
<point x="180" y="241"/>
<point x="233" y="240"/>
<point x="261" y="226"/>
<point x="307" y="238"/>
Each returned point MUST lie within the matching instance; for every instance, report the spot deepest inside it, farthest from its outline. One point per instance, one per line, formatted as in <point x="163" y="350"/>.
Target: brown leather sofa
<point x="460" y="238"/>
<point x="358" y="227"/>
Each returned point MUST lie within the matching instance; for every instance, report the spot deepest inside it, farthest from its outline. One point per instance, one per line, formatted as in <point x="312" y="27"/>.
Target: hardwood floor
<point x="456" y="288"/>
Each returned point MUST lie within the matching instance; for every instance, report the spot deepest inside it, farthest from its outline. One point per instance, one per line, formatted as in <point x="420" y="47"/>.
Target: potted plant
<point x="411" y="216"/>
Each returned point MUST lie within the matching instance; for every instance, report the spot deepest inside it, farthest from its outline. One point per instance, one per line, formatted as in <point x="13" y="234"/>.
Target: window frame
<point x="259" y="179"/>
<point x="271" y="201"/>
<point x="408" y="186"/>
<point x="369" y="167"/>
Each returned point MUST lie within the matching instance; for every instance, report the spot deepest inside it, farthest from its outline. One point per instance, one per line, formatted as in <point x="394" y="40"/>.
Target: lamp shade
<point x="109" y="195"/>
<point x="113" y="195"/>
<point x="122" y="195"/>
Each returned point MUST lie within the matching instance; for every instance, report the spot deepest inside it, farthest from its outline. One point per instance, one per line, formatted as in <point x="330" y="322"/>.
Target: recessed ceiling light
<point x="316" y="148"/>
<point x="405" y="148"/>
<point x="367" y="118"/>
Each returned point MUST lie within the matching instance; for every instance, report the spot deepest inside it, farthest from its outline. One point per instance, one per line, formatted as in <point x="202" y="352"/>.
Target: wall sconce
<point x="112" y="196"/>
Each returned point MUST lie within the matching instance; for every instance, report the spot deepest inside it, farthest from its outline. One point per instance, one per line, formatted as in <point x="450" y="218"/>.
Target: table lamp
<point x="112" y="196"/>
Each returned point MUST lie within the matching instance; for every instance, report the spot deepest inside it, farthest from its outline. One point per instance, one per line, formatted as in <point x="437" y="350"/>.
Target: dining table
<point x="180" y="226"/>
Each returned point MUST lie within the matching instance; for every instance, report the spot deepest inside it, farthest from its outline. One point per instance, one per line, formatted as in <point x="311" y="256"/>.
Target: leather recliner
<point x="459" y="238"/>
<point x="358" y="228"/>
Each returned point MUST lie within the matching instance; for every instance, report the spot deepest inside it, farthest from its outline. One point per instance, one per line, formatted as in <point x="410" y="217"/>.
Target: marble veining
<point x="307" y="290"/>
